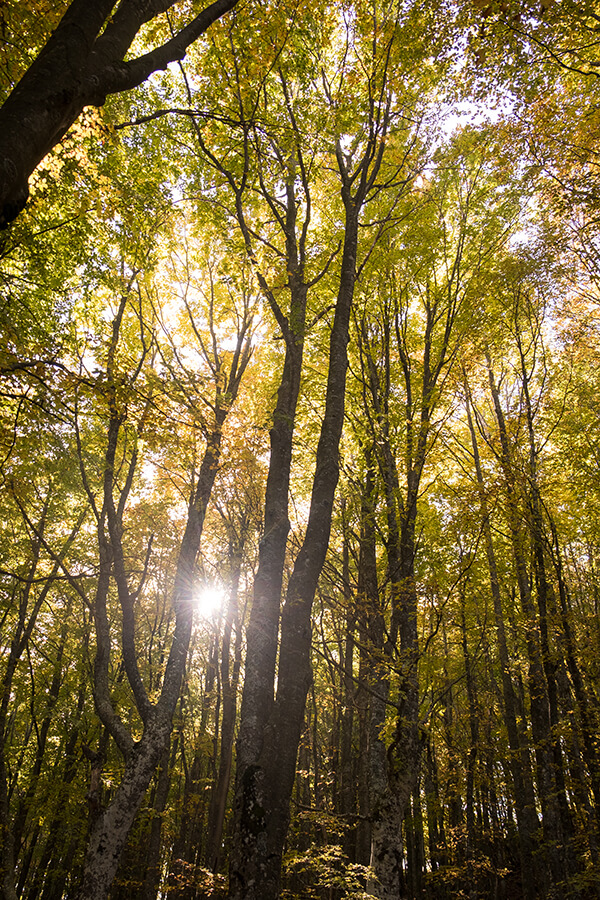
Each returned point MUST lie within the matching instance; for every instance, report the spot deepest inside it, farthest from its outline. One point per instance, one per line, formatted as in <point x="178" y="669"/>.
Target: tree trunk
<point x="552" y="872"/>
<point x="520" y="767"/>
<point x="229" y="682"/>
<point x="109" y="831"/>
<point x="265" y="779"/>
<point x="22" y="634"/>
<point x="153" y="854"/>
<point x="346" y="793"/>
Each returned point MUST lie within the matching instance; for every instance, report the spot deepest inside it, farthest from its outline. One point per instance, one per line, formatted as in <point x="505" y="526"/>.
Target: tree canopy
<point x="299" y="583"/>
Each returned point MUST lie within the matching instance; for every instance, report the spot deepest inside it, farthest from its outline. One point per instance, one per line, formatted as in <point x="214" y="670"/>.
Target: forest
<point x="300" y="450"/>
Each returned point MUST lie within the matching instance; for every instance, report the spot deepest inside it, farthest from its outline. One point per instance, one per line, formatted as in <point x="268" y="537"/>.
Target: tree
<point x="111" y="827"/>
<point x="80" y="65"/>
<point x="410" y="333"/>
<point x="272" y="716"/>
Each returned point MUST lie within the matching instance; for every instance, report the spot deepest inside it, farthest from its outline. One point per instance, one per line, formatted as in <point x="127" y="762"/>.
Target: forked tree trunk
<point x="264" y="784"/>
<point x="110" y="829"/>
<point x="111" y="826"/>
<point x="271" y="725"/>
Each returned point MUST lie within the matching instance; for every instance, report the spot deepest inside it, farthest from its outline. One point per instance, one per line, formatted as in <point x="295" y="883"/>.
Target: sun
<point x="210" y="600"/>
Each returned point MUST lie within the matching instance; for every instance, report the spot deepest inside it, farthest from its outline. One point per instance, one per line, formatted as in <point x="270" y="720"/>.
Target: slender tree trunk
<point x="519" y="758"/>
<point x="538" y="688"/>
<point x="363" y="831"/>
<point x="184" y="852"/>
<point x="111" y="825"/>
<point x="271" y="725"/>
<point x="52" y="698"/>
<point x="435" y="818"/>
<point x="588" y="725"/>
<point x="153" y="853"/>
<point x="229" y="682"/>
<point x="27" y="617"/>
<point x="403" y="755"/>
<point x="346" y="794"/>
<point x="384" y="814"/>
<point x="415" y="861"/>
<point x="110" y="829"/>
<point x="57" y="842"/>
<point x="263" y="627"/>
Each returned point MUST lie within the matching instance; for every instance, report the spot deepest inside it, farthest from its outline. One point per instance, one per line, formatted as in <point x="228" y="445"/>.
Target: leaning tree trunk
<point x="111" y="826"/>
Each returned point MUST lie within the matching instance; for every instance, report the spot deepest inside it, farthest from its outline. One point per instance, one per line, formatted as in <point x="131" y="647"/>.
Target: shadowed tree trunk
<point x="229" y="685"/>
<point x="538" y="688"/>
<point x="379" y="342"/>
<point x="81" y="64"/>
<point x="347" y="787"/>
<point x="519" y="761"/>
<point x="10" y="831"/>
<point x="271" y="727"/>
<point x="271" y="721"/>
